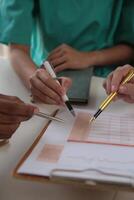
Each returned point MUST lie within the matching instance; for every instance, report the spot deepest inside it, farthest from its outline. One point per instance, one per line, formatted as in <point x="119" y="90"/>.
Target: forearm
<point x="119" y="54"/>
<point x="22" y="63"/>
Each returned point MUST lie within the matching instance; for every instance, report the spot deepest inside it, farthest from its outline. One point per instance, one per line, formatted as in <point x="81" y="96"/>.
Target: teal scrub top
<point x="86" y="25"/>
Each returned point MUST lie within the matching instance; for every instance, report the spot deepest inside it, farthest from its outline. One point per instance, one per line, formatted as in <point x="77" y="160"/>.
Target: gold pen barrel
<point x="108" y="100"/>
<point x="129" y="77"/>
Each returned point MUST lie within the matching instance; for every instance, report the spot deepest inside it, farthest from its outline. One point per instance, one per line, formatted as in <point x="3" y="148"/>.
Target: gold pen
<point x="46" y="116"/>
<point x="108" y="100"/>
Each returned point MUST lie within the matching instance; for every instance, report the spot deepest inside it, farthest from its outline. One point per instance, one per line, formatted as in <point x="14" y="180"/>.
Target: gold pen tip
<point x="91" y="120"/>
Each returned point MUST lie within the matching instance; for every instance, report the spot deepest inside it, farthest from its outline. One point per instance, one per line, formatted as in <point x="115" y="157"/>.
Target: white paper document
<point x="74" y="149"/>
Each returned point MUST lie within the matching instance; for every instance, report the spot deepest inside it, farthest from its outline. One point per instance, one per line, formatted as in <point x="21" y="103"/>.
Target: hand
<point x="45" y="89"/>
<point x="112" y="84"/>
<point x="65" y="57"/>
<point x="12" y="112"/>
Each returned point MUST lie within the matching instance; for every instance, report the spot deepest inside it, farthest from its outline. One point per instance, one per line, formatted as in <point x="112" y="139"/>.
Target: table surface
<point x="11" y="188"/>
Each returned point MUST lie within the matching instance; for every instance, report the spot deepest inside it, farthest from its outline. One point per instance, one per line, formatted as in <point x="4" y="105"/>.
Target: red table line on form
<point x="109" y="129"/>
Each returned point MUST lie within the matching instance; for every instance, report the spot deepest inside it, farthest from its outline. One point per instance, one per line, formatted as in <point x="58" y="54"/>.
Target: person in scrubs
<point x="13" y="111"/>
<point x="113" y="81"/>
<point x="70" y="34"/>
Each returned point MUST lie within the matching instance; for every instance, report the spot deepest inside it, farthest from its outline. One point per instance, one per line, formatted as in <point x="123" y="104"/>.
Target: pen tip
<point x="73" y="113"/>
<point x="91" y="120"/>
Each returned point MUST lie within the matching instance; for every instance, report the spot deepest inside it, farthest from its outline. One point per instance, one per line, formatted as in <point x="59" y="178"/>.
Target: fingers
<point x="12" y="112"/>
<point x="7" y="130"/>
<point x="113" y="83"/>
<point x="66" y="57"/>
<point x="66" y="83"/>
<point x="114" y="80"/>
<point x="119" y="74"/>
<point x="28" y="111"/>
<point x="39" y="97"/>
<point x="60" y="49"/>
<point x="127" y="99"/>
<point x="50" y="82"/>
<point x="10" y="98"/>
<point x="15" y="108"/>
<point x="58" y="61"/>
<point x="54" y="56"/>
<point x="61" y="67"/>
<point x="127" y="89"/>
<point x="12" y="119"/>
<point x="46" y="89"/>
<point x="107" y="84"/>
<point x="59" y="57"/>
<point x="43" y="91"/>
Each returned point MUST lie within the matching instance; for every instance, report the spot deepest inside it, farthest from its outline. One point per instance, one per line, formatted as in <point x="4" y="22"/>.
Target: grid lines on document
<point x="108" y="129"/>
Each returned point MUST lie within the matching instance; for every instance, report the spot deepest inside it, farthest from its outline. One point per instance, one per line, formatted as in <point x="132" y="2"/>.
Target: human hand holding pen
<point x="113" y="84"/>
<point x="118" y="83"/>
<point x="13" y="111"/>
<point x="50" y="70"/>
<point x="45" y="89"/>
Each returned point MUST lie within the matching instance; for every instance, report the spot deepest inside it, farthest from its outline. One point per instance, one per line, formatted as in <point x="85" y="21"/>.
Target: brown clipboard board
<point x="44" y="179"/>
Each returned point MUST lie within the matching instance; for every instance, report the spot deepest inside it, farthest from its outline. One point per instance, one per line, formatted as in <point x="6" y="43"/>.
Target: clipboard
<point x="43" y="179"/>
<point x="58" y="180"/>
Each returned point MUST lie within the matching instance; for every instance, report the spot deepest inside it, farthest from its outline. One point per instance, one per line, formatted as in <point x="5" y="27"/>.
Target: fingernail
<point x="113" y="88"/>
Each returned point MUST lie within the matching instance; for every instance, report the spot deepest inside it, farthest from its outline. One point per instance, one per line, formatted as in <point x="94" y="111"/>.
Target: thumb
<point x="31" y="110"/>
<point x="66" y="83"/>
<point x="127" y="89"/>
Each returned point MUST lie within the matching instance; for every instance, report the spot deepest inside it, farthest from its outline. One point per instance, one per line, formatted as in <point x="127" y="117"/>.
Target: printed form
<point x="107" y="129"/>
<point x="75" y="149"/>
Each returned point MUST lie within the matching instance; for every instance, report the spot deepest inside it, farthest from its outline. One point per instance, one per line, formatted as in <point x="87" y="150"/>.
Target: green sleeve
<point x="16" y="21"/>
<point x="125" y="31"/>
